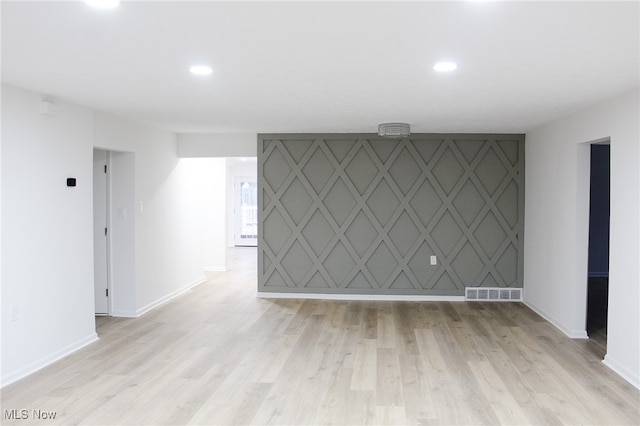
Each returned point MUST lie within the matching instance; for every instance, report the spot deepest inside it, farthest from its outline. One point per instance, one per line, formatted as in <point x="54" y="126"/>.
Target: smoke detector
<point x="393" y="130"/>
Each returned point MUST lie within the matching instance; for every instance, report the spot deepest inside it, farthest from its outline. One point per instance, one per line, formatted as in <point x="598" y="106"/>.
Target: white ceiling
<point x="326" y="66"/>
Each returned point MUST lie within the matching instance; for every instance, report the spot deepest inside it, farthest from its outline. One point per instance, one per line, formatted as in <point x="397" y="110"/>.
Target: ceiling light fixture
<point x="445" y="66"/>
<point x="393" y="130"/>
<point x="201" y="70"/>
<point x="103" y="4"/>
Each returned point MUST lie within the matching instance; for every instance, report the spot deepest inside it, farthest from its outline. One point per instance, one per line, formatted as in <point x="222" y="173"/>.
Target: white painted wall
<point x="232" y="147"/>
<point x="173" y="246"/>
<point x="214" y="179"/>
<point x="217" y="145"/>
<point x="47" y="237"/>
<point x="556" y="225"/>
<point x="122" y="227"/>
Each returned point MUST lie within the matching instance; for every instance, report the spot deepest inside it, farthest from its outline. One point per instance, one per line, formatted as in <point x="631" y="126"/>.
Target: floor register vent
<point x="494" y="294"/>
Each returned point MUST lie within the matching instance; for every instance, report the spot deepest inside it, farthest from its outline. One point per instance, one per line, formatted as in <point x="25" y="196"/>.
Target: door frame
<point x="108" y="233"/>
<point x="604" y="142"/>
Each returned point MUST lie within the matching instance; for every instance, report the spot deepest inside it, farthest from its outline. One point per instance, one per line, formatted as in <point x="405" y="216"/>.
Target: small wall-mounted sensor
<point x="71" y="181"/>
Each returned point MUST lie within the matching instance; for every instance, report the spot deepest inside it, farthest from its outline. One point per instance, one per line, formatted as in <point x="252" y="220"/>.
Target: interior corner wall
<point x="167" y="209"/>
<point x="362" y="214"/>
<point x="556" y="225"/>
<point x="47" y="238"/>
<point x="47" y="272"/>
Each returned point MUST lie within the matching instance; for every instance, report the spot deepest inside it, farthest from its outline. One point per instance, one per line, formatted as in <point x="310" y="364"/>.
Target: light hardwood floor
<point x="219" y="355"/>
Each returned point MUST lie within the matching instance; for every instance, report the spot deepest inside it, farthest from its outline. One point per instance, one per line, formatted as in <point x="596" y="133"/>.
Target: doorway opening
<point x="246" y="211"/>
<point x="598" y="269"/>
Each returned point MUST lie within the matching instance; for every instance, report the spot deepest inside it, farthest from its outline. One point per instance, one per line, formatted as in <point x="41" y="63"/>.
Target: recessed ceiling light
<point x="445" y="66"/>
<point x="103" y="4"/>
<point x="201" y="70"/>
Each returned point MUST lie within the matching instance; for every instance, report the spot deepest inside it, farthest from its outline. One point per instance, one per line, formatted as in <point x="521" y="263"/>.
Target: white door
<point x="246" y="211"/>
<point x="100" y="238"/>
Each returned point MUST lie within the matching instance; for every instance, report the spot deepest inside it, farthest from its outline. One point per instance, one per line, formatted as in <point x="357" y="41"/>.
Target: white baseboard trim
<point x="31" y="368"/>
<point x="621" y="371"/>
<point x="216" y="268"/>
<point x="381" y="297"/>
<point x="168" y="297"/>
<point x="124" y="314"/>
<point x="573" y="334"/>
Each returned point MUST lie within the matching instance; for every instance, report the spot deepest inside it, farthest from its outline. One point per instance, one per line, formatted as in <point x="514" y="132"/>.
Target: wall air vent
<point x="493" y="294"/>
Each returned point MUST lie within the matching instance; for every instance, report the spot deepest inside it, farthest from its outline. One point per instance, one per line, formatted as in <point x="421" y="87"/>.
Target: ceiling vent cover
<point x="393" y="130"/>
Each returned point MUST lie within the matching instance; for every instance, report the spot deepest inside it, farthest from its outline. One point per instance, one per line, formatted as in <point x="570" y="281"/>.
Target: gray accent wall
<point x="361" y="214"/>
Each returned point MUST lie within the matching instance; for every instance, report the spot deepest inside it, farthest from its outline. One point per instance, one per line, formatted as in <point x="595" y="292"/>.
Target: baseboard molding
<point x="124" y="314"/>
<point x="31" y="368"/>
<point x="621" y="371"/>
<point x="372" y="297"/>
<point x="168" y="297"/>
<point x="573" y="334"/>
<point x="216" y="268"/>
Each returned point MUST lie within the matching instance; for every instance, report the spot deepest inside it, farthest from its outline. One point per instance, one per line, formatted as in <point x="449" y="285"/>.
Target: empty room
<point x="298" y="213"/>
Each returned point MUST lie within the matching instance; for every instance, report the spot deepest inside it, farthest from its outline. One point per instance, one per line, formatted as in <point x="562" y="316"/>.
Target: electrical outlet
<point x="434" y="260"/>
<point x="15" y="313"/>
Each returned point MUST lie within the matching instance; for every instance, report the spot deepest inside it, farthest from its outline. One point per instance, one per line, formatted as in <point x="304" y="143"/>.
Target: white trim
<point x="573" y="334"/>
<point x="216" y="268"/>
<point x="381" y="297"/>
<point x="620" y="370"/>
<point x="124" y="314"/>
<point x="109" y="234"/>
<point x="168" y="297"/>
<point x="48" y="360"/>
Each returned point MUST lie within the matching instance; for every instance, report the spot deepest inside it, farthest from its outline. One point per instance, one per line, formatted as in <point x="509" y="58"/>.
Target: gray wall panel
<point x="357" y="213"/>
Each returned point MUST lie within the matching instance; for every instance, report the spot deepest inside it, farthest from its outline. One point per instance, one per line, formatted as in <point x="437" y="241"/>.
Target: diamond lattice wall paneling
<point x="351" y="213"/>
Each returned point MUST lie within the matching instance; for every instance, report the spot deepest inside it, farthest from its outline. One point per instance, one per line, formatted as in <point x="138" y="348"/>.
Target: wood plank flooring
<point x="219" y="355"/>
